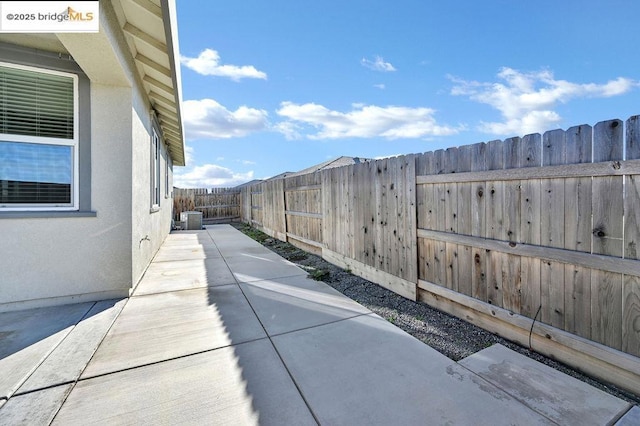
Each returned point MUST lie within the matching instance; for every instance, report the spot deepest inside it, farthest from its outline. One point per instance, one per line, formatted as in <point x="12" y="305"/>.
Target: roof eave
<point x="170" y="20"/>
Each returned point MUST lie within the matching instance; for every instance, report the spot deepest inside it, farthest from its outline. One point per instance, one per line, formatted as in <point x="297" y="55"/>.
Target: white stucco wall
<point x="56" y="260"/>
<point x="61" y="260"/>
<point x="150" y="228"/>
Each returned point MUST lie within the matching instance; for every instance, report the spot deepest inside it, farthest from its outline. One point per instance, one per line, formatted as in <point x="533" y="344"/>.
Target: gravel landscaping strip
<point x="449" y="335"/>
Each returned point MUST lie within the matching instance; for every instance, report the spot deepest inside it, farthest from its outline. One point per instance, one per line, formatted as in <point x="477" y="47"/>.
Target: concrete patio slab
<point x="197" y="237"/>
<point x="240" y="252"/>
<point x="36" y="408"/>
<point x="186" y="234"/>
<point x="256" y="268"/>
<point x="631" y="418"/>
<point x="232" y="242"/>
<point x="178" y="354"/>
<point x="169" y="254"/>
<point x="365" y="371"/>
<point x="184" y="275"/>
<point x="560" y="397"/>
<point x="223" y="232"/>
<point x="72" y="355"/>
<point x="27" y="337"/>
<point x="293" y="303"/>
<point x="244" y="384"/>
<point x="176" y="239"/>
<point x="168" y="325"/>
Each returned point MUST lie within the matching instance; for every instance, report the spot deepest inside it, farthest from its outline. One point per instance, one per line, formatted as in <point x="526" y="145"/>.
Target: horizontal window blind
<point x="37" y="173"/>
<point x="34" y="193"/>
<point x="36" y="104"/>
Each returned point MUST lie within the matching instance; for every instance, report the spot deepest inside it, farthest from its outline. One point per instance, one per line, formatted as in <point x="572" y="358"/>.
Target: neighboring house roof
<point x="336" y="162"/>
<point x="251" y="182"/>
<point x="149" y="29"/>
<point x="280" y="176"/>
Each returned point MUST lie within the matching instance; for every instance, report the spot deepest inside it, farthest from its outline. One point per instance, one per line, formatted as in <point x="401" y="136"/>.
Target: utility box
<point x="191" y="221"/>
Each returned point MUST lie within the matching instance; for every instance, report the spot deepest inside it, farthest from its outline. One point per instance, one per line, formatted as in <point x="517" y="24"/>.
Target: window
<point x="155" y="169"/>
<point x="38" y="139"/>
<point x="167" y="191"/>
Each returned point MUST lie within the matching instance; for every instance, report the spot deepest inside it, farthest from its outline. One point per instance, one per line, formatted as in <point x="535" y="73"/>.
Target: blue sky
<point x="274" y="86"/>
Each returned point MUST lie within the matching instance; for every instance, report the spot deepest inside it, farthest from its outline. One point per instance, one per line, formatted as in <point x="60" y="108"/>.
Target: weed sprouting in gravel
<point x="320" y="274"/>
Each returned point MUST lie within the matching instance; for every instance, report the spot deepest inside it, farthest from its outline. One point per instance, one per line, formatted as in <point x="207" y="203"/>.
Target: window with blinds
<point x="38" y="139"/>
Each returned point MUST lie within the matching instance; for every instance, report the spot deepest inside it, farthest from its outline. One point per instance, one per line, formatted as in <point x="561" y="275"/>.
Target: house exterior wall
<point x="101" y="251"/>
<point x="150" y="224"/>
<point x="52" y="259"/>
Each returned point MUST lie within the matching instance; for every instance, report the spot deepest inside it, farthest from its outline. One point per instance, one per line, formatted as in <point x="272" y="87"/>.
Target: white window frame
<point x="167" y="192"/>
<point x="156" y="154"/>
<point x="73" y="143"/>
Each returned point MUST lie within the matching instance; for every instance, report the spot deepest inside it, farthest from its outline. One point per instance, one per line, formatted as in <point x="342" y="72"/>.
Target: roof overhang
<point x="151" y="31"/>
<point x="145" y="30"/>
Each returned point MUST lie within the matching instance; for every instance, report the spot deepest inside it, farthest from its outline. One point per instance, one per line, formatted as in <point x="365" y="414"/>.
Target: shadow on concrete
<point x="345" y="364"/>
<point x="28" y="338"/>
<point x="269" y="347"/>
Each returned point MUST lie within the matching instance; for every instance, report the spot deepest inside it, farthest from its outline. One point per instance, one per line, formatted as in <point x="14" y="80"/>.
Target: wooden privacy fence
<point x="218" y="205"/>
<point x="536" y="233"/>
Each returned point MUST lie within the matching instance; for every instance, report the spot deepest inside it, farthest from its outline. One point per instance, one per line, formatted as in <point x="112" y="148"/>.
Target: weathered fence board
<point x="608" y="211"/>
<point x="577" y="224"/>
<point x="216" y="204"/>
<point x="479" y="273"/>
<point x="608" y="191"/>
<point x="552" y="229"/>
<point x="606" y="308"/>
<point x="543" y="226"/>
<point x="577" y="233"/>
<point x="245" y="203"/>
<point x="632" y="192"/>
<point x="530" y="202"/>
<point x="272" y="208"/>
<point x="388" y="231"/>
<point x="303" y="211"/>
<point x="546" y="208"/>
<point x="631" y="313"/>
<point x="511" y="265"/>
<point x="257" y="205"/>
<point x="632" y="217"/>
<point x="577" y="282"/>
<point x="464" y="255"/>
<point x="495" y="223"/>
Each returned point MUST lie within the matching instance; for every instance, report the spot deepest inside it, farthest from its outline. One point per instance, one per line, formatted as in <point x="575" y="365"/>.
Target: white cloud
<point x="210" y="176"/>
<point x="207" y="119"/>
<point x="378" y="64"/>
<point x="380" y="86"/>
<point x="363" y="121"/>
<point x="289" y="129"/>
<point x="527" y="100"/>
<point x="208" y="63"/>
<point x="188" y="154"/>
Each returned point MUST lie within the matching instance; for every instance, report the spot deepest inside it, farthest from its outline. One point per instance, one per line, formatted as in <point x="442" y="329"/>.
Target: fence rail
<point x="543" y="227"/>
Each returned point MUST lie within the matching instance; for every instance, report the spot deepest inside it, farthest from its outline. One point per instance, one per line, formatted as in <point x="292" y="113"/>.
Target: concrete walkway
<point x="223" y="331"/>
